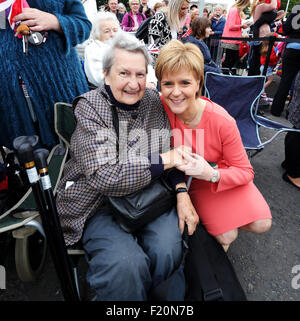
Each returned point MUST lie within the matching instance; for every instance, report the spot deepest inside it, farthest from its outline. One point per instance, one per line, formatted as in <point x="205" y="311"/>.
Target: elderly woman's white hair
<point x="125" y="41"/>
<point x="218" y="6"/>
<point x="102" y="16"/>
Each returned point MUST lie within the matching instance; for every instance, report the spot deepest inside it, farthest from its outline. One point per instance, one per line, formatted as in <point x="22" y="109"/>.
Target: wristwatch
<point x="215" y="176"/>
<point x="181" y="190"/>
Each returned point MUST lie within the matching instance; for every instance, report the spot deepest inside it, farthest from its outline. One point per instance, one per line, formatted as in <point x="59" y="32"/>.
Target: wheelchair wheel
<point x="30" y="256"/>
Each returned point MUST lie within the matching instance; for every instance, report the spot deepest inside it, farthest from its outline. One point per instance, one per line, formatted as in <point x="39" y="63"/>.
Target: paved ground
<point x="263" y="263"/>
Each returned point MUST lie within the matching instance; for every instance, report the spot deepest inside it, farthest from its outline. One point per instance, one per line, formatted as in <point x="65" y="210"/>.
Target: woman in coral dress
<point x="225" y="198"/>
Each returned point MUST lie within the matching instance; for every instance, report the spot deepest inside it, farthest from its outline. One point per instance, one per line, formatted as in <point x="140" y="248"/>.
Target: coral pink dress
<point x="234" y="201"/>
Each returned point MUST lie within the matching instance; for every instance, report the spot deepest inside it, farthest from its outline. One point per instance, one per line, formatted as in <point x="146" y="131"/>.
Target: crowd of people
<point x="153" y="87"/>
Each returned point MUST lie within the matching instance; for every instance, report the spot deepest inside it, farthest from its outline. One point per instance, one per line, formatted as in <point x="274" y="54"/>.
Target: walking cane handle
<point x="40" y="158"/>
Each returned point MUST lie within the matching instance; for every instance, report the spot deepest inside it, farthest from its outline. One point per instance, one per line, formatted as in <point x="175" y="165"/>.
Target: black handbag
<point x="134" y="210"/>
<point x="208" y="271"/>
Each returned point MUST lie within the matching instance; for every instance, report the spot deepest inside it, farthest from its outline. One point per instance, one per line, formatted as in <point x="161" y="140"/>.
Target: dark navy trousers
<point x="125" y="267"/>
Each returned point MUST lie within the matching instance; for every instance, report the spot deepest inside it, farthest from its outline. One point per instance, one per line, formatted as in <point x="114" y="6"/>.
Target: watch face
<point x="215" y="176"/>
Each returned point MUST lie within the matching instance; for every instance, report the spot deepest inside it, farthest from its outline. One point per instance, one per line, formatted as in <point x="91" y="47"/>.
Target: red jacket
<point x="273" y="58"/>
<point x="278" y="3"/>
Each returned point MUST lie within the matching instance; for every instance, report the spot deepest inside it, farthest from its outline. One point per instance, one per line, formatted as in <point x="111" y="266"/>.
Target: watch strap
<point x="181" y="190"/>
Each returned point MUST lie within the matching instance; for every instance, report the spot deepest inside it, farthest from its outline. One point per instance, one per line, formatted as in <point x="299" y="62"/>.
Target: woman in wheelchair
<point x="225" y="197"/>
<point x="122" y="266"/>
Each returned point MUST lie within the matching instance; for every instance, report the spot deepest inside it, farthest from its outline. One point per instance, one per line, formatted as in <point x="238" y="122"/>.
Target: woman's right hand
<point x="174" y="157"/>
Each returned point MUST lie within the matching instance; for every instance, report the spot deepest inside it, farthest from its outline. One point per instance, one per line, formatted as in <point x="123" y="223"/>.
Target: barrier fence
<point x="217" y="51"/>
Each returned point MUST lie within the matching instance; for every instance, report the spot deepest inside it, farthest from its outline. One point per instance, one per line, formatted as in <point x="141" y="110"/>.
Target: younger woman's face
<point x="179" y="90"/>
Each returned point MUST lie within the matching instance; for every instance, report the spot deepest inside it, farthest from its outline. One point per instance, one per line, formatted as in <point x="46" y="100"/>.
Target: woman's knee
<point x="260" y="226"/>
<point x="227" y="237"/>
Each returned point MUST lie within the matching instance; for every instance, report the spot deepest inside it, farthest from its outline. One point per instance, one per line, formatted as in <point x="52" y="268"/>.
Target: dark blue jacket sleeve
<point x="74" y="23"/>
<point x="218" y="28"/>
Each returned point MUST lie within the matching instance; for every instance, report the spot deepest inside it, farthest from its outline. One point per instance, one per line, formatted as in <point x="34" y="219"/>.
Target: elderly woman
<point x="132" y="20"/>
<point x="200" y="31"/>
<point x="122" y="266"/>
<point x="225" y="198"/>
<point x="105" y="27"/>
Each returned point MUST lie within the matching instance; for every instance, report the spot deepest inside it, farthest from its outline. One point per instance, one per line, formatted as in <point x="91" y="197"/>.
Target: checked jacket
<point x="94" y="169"/>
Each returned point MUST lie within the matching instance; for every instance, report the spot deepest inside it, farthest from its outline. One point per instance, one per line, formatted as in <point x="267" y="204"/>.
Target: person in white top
<point x="105" y="27"/>
<point x="90" y="8"/>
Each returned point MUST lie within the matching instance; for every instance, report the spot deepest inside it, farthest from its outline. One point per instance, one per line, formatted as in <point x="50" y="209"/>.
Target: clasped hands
<point x="194" y="165"/>
<point x="191" y="164"/>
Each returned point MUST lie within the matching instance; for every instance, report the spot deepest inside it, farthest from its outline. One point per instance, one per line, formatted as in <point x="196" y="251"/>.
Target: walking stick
<point x="24" y="145"/>
<point x="40" y="156"/>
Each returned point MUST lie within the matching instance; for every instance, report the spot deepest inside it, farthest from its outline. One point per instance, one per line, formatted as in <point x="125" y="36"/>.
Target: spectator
<point x="205" y="13"/>
<point x="122" y="9"/>
<point x="194" y="13"/>
<point x="257" y="9"/>
<point x="132" y="20"/>
<point x="165" y="3"/>
<point x="225" y="198"/>
<point x="290" y="63"/>
<point x="243" y="58"/>
<point x="145" y="9"/>
<point x="113" y="8"/>
<point x="200" y="31"/>
<point x="267" y="16"/>
<point x="217" y="27"/>
<point x="90" y="8"/>
<point x="292" y="140"/>
<point x="105" y="27"/>
<point x="272" y="63"/>
<point x="122" y="266"/>
<point x="233" y="28"/>
<point x="52" y="71"/>
<point x="157" y="6"/>
<point x="166" y="24"/>
<point x="184" y="17"/>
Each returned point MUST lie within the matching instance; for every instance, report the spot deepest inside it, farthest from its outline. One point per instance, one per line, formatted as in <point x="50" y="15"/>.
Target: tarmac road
<point x="264" y="263"/>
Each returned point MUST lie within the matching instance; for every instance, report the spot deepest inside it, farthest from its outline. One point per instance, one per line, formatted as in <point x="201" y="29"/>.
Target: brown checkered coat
<point x="94" y="167"/>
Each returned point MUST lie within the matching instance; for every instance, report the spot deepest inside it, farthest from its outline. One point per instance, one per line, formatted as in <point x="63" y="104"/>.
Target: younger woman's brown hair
<point x="176" y="56"/>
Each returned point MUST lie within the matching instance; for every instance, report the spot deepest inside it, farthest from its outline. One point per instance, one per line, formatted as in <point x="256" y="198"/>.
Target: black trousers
<point x="292" y="154"/>
<point x="254" y="63"/>
<point x="231" y="58"/>
<point x="290" y="68"/>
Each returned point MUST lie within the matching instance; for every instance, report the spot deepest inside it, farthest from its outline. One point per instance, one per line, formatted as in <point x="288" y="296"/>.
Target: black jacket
<point x="291" y="27"/>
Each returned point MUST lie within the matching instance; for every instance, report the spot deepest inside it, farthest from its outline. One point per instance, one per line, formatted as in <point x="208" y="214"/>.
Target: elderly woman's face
<point x="179" y="90"/>
<point x="127" y="76"/>
<point x="108" y="29"/>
